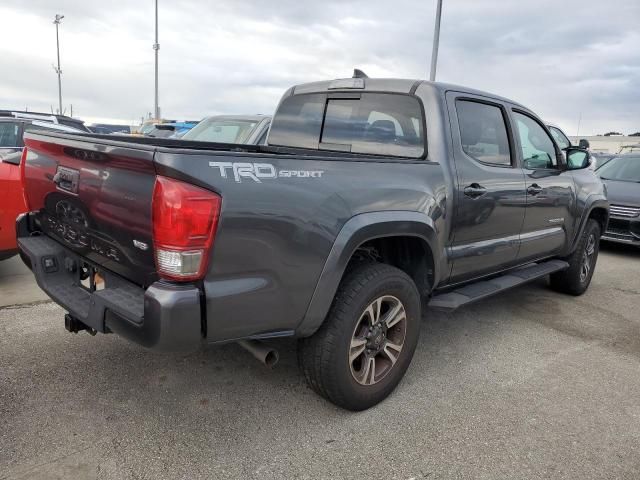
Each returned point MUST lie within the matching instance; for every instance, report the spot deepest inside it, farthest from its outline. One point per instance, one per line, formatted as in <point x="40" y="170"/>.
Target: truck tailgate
<point x="94" y="196"/>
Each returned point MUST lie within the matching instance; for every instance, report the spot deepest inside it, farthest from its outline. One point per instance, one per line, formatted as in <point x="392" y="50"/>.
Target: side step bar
<point x="454" y="299"/>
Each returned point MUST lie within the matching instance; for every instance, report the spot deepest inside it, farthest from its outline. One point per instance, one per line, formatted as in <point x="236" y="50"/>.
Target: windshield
<point x="221" y="131"/>
<point x="624" y="169"/>
<point x="147" y="128"/>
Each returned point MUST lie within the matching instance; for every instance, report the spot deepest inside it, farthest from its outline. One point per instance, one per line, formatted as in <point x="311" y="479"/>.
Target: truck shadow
<point x="620" y="249"/>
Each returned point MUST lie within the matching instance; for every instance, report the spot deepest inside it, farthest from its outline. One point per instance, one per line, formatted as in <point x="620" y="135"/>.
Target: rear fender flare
<point x="355" y="232"/>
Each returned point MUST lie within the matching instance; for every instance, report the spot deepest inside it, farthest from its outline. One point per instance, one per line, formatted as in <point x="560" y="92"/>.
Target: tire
<point x="576" y="279"/>
<point x="368" y="291"/>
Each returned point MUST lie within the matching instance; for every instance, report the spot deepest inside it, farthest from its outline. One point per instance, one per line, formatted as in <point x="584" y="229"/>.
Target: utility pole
<point x="156" y="48"/>
<point x="56" y="22"/>
<point x="436" y="43"/>
<point x="579" y="122"/>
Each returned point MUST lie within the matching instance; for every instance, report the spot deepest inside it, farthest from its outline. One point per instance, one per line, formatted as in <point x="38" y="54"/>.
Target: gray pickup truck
<point x="372" y="199"/>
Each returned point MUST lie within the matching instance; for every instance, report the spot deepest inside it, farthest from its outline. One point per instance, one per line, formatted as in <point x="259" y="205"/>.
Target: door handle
<point x="474" y="190"/>
<point x="534" y="189"/>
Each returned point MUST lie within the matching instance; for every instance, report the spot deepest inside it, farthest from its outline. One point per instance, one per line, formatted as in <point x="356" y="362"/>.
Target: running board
<point x="452" y="300"/>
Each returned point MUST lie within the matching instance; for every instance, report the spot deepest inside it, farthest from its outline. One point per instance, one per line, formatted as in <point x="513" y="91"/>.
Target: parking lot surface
<point x="530" y="384"/>
<point x="17" y="285"/>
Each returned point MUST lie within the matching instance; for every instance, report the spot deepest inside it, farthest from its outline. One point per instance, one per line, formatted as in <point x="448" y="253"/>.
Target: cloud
<point x="562" y="59"/>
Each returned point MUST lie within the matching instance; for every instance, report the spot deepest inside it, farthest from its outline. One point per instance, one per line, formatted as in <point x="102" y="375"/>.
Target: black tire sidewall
<point x="399" y="285"/>
<point x="592" y="229"/>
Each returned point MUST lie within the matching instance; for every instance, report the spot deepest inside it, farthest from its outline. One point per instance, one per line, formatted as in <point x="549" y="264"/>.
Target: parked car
<point x="635" y="148"/>
<point x="11" y="202"/>
<point x="149" y="125"/>
<point x="109" y="129"/>
<point x="246" y="129"/>
<point x="13" y="125"/>
<point x="170" y="129"/>
<point x="372" y="196"/>
<point x="601" y="158"/>
<point x="621" y="175"/>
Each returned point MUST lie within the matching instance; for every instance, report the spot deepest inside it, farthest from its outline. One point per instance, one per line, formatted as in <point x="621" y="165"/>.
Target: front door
<point x="548" y="222"/>
<point x="491" y="196"/>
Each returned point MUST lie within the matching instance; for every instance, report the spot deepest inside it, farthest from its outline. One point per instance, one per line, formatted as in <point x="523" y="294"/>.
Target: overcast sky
<point x="561" y="58"/>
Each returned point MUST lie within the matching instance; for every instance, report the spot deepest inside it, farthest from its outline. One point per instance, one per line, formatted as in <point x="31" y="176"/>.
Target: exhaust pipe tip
<point x="272" y="358"/>
<point x="264" y="354"/>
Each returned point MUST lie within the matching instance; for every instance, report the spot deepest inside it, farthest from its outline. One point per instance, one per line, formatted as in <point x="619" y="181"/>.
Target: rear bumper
<point x="164" y="317"/>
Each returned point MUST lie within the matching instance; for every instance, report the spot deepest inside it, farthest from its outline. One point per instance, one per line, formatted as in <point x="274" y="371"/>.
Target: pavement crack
<point x="20" y="306"/>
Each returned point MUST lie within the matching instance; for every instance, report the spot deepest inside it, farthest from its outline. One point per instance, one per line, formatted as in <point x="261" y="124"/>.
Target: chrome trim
<point x="624" y="211"/>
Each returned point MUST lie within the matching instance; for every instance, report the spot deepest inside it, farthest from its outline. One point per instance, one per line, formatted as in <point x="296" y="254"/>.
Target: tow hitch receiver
<point x="74" y="325"/>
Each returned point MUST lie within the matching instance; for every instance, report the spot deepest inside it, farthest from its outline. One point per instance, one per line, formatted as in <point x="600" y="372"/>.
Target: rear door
<point x="491" y="195"/>
<point x="550" y="190"/>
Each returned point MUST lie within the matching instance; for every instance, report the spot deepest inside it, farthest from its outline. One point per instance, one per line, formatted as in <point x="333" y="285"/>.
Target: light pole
<point x="436" y="43"/>
<point x="57" y="21"/>
<point x="156" y="48"/>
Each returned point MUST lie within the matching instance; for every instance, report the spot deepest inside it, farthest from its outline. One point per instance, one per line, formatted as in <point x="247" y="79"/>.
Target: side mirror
<point x="584" y="143"/>
<point x="577" y="159"/>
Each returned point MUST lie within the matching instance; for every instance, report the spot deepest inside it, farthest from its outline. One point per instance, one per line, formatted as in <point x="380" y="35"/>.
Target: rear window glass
<point x="381" y="124"/>
<point x="298" y="121"/>
<point x="9" y="134"/>
<point x="73" y="124"/>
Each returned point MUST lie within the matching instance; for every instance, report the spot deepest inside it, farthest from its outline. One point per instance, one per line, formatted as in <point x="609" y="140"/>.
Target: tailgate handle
<point x="67" y="179"/>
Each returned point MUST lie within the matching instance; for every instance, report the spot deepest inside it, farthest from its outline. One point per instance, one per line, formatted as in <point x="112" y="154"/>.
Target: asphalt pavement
<point x="530" y="384"/>
<point x="17" y="286"/>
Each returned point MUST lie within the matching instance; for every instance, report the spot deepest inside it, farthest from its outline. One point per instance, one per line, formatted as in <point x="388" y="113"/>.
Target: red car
<point x="12" y="202"/>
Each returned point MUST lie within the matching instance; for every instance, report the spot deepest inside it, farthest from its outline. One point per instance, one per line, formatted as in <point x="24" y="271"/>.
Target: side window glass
<point x="483" y="132"/>
<point x="9" y="133"/>
<point x="560" y="138"/>
<point x="298" y="121"/>
<point x="538" y="151"/>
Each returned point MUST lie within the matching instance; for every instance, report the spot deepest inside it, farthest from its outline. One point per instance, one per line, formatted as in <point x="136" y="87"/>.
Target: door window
<point x="483" y="132"/>
<point x="9" y="134"/>
<point x="538" y="150"/>
<point x="560" y="138"/>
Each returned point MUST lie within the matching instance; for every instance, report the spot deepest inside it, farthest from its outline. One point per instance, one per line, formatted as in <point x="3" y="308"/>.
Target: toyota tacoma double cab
<point x="372" y="199"/>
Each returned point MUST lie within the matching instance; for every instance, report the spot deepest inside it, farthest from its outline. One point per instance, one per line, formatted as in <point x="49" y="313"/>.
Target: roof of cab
<point x="391" y="85"/>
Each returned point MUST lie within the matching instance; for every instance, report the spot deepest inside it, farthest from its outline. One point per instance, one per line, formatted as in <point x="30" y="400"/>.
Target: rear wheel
<point x="582" y="263"/>
<point x="365" y="345"/>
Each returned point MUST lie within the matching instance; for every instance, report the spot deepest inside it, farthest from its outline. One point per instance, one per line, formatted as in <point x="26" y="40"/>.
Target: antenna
<point x="357" y="73"/>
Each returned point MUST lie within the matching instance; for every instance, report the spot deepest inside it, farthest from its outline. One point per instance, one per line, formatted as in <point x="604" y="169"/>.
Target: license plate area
<point x="90" y="277"/>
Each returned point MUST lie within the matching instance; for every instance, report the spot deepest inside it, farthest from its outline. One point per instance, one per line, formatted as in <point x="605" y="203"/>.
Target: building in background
<point x="603" y="144"/>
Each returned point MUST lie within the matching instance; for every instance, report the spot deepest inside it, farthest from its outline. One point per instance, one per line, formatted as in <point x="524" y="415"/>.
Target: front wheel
<point x="365" y="345"/>
<point x="582" y="263"/>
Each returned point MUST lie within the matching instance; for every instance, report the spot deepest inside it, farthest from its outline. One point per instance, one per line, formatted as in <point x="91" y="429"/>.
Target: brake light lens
<point x="185" y="219"/>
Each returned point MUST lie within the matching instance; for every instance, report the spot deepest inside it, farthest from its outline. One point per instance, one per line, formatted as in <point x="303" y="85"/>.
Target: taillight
<point x="185" y="218"/>
<point x="23" y="164"/>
